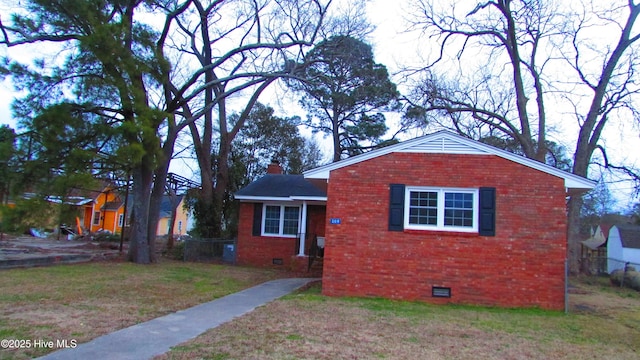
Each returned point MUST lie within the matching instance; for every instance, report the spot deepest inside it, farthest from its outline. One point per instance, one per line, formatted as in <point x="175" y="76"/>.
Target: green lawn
<point x="84" y="301"/>
<point x="308" y="325"/>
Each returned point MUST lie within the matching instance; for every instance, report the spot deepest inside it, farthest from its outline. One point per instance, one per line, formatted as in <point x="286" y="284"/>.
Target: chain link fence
<point x="198" y="249"/>
<point x="615" y="264"/>
<point x="602" y="265"/>
<point x="595" y="265"/>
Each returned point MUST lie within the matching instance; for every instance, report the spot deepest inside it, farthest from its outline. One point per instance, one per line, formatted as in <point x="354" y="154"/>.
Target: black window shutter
<point x="487" y="223"/>
<point x="396" y="207"/>
<point x="257" y="219"/>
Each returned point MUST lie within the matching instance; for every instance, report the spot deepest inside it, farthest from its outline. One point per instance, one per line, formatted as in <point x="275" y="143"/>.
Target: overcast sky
<point x="394" y="47"/>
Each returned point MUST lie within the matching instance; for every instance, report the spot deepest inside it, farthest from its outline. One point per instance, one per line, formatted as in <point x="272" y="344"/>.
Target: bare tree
<point x="237" y="49"/>
<point x="139" y="86"/>
<point x="516" y="61"/>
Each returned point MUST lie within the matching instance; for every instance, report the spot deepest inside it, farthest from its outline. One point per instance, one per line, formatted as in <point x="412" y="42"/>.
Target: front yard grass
<point x="604" y="323"/>
<point x="84" y="301"/>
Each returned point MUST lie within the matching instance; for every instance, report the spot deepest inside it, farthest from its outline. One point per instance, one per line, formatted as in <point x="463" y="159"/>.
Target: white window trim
<point x="120" y="220"/>
<point x="281" y="224"/>
<point x="440" y="225"/>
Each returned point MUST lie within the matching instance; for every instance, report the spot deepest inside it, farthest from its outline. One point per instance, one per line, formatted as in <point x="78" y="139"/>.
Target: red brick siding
<point x="316" y="219"/>
<point x="522" y="266"/>
<point x="261" y="250"/>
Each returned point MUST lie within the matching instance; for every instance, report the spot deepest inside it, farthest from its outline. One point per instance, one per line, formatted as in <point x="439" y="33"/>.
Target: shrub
<point x="177" y="252"/>
<point x="631" y="278"/>
<point x="105" y="236"/>
<point x="616" y="276"/>
<point x="27" y="213"/>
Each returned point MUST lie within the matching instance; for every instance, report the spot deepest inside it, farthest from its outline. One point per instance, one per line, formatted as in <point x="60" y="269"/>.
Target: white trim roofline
<point x="447" y="142"/>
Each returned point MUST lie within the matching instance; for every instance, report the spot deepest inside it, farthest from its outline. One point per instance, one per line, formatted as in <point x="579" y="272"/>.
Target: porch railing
<point x="315" y="250"/>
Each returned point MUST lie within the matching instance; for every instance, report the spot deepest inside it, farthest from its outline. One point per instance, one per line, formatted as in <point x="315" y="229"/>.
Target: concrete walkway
<point x="155" y="337"/>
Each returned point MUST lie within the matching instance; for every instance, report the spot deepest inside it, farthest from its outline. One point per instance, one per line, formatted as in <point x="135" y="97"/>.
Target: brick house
<point x="440" y="218"/>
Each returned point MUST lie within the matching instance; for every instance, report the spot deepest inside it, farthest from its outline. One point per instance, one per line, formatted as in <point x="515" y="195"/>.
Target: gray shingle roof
<point x="629" y="235"/>
<point x="276" y="185"/>
<point x="111" y="206"/>
<point x="166" y="206"/>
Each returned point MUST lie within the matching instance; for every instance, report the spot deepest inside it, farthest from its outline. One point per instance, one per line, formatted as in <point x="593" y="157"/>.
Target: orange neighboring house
<point x="106" y="212"/>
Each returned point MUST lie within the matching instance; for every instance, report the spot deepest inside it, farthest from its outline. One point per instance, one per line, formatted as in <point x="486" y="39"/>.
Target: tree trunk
<point x="205" y="200"/>
<point x="158" y="191"/>
<point x="581" y="159"/>
<point x="573" y="233"/>
<point x="139" y="251"/>
<point x="222" y="182"/>
<point x="155" y="200"/>
<point x="337" y="149"/>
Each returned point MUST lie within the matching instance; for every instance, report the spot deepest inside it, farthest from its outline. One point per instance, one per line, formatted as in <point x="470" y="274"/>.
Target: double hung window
<point x="280" y="220"/>
<point x="441" y="209"/>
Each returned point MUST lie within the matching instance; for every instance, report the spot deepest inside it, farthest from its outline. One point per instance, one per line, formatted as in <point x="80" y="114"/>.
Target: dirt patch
<point x="12" y="248"/>
<point x="602" y="297"/>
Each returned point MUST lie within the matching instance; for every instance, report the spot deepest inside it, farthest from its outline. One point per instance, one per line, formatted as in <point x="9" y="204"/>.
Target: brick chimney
<point x="274" y="168"/>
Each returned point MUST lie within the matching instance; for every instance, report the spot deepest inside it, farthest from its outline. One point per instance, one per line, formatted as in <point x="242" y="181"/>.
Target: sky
<point x="394" y="47"/>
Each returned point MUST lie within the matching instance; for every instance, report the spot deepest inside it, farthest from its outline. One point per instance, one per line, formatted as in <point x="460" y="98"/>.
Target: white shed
<point x="623" y="246"/>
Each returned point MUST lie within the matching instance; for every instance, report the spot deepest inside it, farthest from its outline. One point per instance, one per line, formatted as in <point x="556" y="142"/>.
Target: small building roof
<point x="604" y="229"/>
<point x="281" y="187"/>
<point x="111" y="206"/>
<point x="593" y="242"/>
<point x="598" y="238"/>
<point x="69" y="200"/>
<point x="629" y="235"/>
<point x="166" y="206"/>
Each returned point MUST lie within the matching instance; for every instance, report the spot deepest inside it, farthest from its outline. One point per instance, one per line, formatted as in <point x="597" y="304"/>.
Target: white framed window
<point x="446" y="209"/>
<point x="120" y="220"/>
<point x="280" y="220"/>
<point x="96" y="218"/>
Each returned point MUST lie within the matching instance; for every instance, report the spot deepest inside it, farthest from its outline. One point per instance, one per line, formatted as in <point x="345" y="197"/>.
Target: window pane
<point x="423" y="208"/>
<point x="458" y="209"/>
<point x="290" y="226"/>
<point x="272" y="220"/>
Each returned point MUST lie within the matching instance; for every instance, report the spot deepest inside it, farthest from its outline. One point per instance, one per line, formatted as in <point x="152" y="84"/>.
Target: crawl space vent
<point x="277" y="261"/>
<point x="443" y="292"/>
